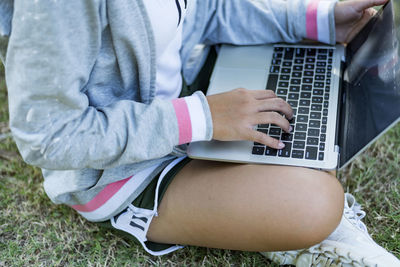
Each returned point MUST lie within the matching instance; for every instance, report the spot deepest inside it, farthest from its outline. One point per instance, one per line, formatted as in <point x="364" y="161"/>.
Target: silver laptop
<point x="343" y="98"/>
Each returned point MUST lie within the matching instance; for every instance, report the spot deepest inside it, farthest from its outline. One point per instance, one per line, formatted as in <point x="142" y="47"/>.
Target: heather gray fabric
<point x="81" y="82"/>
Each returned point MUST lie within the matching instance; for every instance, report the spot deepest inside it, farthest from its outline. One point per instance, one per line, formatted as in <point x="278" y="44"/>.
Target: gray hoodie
<point x="81" y="82"/>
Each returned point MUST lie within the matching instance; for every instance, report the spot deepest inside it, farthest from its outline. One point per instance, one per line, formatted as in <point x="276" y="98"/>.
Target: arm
<point x="51" y="52"/>
<point x="245" y="22"/>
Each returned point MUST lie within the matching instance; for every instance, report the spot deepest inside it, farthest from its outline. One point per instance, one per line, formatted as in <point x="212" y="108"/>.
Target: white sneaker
<point x="349" y="245"/>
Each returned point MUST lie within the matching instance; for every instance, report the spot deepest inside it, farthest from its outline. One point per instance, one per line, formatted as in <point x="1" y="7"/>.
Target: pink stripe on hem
<point x="184" y="122"/>
<point x="102" y="197"/>
<point x="312" y="20"/>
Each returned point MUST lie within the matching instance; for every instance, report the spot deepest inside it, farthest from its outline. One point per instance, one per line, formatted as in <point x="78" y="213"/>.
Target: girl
<point x="94" y="92"/>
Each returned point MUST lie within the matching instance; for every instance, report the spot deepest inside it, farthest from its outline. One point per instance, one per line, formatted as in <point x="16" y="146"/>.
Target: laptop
<point x="344" y="98"/>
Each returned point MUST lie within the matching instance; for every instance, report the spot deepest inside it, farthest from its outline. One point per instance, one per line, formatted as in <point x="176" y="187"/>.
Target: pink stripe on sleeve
<point x="101" y="197"/>
<point x="312" y="20"/>
<point x="184" y="122"/>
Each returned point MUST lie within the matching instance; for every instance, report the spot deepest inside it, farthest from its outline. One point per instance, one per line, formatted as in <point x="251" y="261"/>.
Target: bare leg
<point x="248" y="207"/>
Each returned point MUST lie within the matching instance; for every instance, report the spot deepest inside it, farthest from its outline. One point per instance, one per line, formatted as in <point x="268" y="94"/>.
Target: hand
<point x="352" y="15"/>
<point x="235" y="113"/>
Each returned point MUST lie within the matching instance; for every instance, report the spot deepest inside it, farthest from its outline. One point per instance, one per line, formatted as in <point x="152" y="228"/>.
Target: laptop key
<point x="314" y="124"/>
<point x="263" y="126"/>
<point x="322" y="57"/>
<point x="258" y="150"/>
<point x="296" y="74"/>
<point x="317" y="99"/>
<point x="323" y="129"/>
<point x="303" y="110"/>
<point x="322" y="146"/>
<point x="292" y="103"/>
<point x="308" y="80"/>
<point x="278" y="55"/>
<point x="319" y="77"/>
<point x="282" y="91"/>
<point x="326" y="104"/>
<point x="270" y="151"/>
<point x="298" y="154"/>
<point x="274" y="69"/>
<point x="306" y="87"/>
<point x="310" y="66"/>
<point x="309" y="73"/>
<point x="304" y="102"/>
<point x="311" y="152"/>
<point x="272" y="82"/>
<point x="324" y="120"/>
<point x="299" y="61"/>
<point x="275" y="131"/>
<point x="301" y="127"/>
<point x="300" y="136"/>
<point x="325" y="112"/>
<point x="285" y="77"/>
<point x="315" y="115"/>
<point x="278" y="49"/>
<point x="299" y="144"/>
<point x="286" y="70"/>
<point x="305" y="95"/>
<point x="286" y="151"/>
<point x="321" y="156"/>
<point x="315" y="107"/>
<point x="312" y="141"/>
<point x="287" y="137"/>
<point x="294" y="89"/>
<point x="313" y="132"/>
<point x="322" y="138"/>
<point x="300" y="52"/>
<point x="287" y="63"/>
<point x="283" y="84"/>
<point x="310" y="60"/>
<point x="293" y="96"/>
<point x="321" y="64"/>
<point x="295" y="81"/>
<point x="319" y="85"/>
<point x="298" y="68"/>
<point x="289" y="52"/>
<point x="320" y="70"/>
<point x="311" y="51"/>
<point x="276" y="62"/>
<point x="302" y="118"/>
<point x="318" y="92"/>
<point x="263" y="130"/>
<point x="322" y="51"/>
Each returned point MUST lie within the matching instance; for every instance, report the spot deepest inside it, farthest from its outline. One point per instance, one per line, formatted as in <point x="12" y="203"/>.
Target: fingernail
<point x="290" y="129"/>
<point x="281" y="145"/>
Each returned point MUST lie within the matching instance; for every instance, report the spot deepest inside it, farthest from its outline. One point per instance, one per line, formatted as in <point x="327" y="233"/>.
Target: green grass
<point x="33" y="231"/>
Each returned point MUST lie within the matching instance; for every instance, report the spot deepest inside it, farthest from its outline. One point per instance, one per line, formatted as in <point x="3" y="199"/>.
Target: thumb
<point x="362" y="5"/>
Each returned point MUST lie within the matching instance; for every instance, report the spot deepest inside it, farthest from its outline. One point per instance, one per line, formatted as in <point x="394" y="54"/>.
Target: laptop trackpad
<point x="226" y="79"/>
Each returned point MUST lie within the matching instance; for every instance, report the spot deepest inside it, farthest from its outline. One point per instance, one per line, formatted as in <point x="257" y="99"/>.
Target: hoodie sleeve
<point x="51" y="52"/>
<point x="246" y="22"/>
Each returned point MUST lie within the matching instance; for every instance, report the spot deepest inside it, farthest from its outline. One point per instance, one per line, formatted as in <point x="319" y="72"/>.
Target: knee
<point x="321" y="210"/>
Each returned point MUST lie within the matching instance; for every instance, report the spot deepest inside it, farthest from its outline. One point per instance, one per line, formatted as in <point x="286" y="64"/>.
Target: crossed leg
<point x="248" y="207"/>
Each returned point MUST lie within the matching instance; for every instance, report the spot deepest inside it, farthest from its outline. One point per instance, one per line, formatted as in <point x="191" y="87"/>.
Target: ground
<point x="33" y="231"/>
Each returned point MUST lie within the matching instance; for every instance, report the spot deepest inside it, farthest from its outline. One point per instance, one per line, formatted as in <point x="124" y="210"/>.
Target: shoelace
<point x="355" y="214"/>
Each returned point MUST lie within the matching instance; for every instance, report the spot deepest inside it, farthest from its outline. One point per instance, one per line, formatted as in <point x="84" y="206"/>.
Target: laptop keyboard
<point x="302" y="77"/>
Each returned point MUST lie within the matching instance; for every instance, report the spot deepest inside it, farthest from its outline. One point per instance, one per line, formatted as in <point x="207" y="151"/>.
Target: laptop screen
<point x="371" y="87"/>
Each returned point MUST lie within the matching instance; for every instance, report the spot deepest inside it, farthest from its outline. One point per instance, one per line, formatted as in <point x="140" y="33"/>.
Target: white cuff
<point x="318" y="19"/>
<point x="191" y="119"/>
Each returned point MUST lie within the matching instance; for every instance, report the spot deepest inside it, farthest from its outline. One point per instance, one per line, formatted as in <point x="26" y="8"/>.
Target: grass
<point x="33" y="231"/>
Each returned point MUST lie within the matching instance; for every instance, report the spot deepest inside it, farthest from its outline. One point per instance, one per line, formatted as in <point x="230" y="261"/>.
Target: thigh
<point x="248" y="207"/>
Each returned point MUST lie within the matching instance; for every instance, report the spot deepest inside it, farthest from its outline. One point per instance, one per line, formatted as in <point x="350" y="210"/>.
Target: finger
<point x="264" y="139"/>
<point x="262" y="94"/>
<point x="368" y="14"/>
<point x="276" y="104"/>
<point x="362" y="5"/>
<point x="272" y="118"/>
